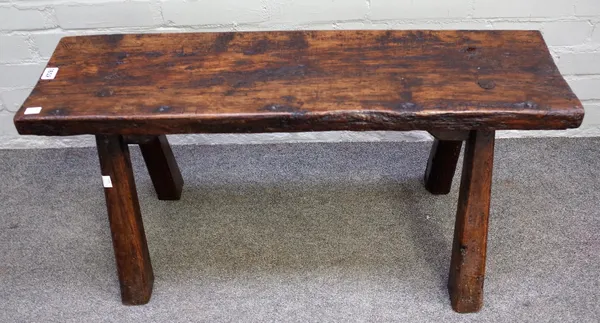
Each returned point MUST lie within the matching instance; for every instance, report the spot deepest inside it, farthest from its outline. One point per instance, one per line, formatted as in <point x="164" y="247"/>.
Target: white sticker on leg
<point x="106" y="182"/>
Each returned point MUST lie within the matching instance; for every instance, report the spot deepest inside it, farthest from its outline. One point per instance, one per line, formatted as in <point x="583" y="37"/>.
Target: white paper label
<point x="106" y="182"/>
<point x="34" y="110"/>
<point x="50" y="73"/>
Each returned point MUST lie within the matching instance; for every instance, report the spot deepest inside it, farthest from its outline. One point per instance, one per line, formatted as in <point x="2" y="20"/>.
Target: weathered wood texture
<point x="129" y="240"/>
<point x="467" y="267"/>
<point x="301" y="81"/>
<point x="442" y="166"/>
<point x="163" y="168"/>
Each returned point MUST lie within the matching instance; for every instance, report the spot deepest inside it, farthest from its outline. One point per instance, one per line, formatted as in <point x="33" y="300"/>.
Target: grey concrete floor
<point x="303" y="233"/>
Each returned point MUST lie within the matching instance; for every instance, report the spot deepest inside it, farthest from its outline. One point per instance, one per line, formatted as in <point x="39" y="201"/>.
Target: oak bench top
<point x="146" y="84"/>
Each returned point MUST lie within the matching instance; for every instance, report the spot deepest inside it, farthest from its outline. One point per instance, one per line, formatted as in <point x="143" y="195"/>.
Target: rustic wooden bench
<point x="458" y="85"/>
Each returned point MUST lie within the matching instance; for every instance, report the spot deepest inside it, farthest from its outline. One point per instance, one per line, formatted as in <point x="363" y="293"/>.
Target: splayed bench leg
<point x="129" y="240"/>
<point x="162" y="167"/>
<point x="442" y="165"/>
<point x="467" y="267"/>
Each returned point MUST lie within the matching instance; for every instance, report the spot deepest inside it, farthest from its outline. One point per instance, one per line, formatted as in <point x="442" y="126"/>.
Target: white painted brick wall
<point x="588" y="87"/>
<point x="222" y="12"/>
<point x="15" y="18"/>
<point x="46" y="43"/>
<point x="567" y="33"/>
<point x="592" y="113"/>
<point x="585" y="8"/>
<point x="19" y="76"/>
<point x="580" y="64"/>
<point x="104" y="15"/>
<point x="422" y="9"/>
<point x="14" y="98"/>
<point x="523" y="8"/>
<point x="315" y="11"/>
<point x="596" y="34"/>
<point x="30" y="29"/>
<point x="14" y="49"/>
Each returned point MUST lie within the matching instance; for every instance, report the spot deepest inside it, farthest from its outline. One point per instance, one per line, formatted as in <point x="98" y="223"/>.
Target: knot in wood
<point x="486" y="84"/>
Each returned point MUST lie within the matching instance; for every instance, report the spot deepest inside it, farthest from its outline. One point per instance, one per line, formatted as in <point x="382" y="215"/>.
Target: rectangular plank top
<point x="300" y="81"/>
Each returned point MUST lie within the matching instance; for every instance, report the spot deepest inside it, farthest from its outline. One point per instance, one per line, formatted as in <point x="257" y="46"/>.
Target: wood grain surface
<point x="301" y="81"/>
<point x="467" y="266"/>
<point x="134" y="268"/>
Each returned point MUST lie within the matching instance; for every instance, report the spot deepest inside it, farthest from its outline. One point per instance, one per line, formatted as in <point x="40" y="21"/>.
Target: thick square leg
<point x="442" y="166"/>
<point x="129" y="240"/>
<point x="163" y="168"/>
<point x="467" y="267"/>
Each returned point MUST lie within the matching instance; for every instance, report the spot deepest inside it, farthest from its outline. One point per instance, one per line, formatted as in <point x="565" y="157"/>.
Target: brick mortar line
<point x="593" y="20"/>
<point x="310" y="26"/>
<point x="578" y="77"/>
<point x="33" y="5"/>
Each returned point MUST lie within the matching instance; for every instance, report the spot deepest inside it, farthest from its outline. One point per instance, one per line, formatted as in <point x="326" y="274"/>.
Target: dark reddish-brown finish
<point x="441" y="166"/>
<point x="467" y="267"/>
<point x="458" y="85"/>
<point x="301" y="81"/>
<point x="163" y="168"/>
<point x="129" y="240"/>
